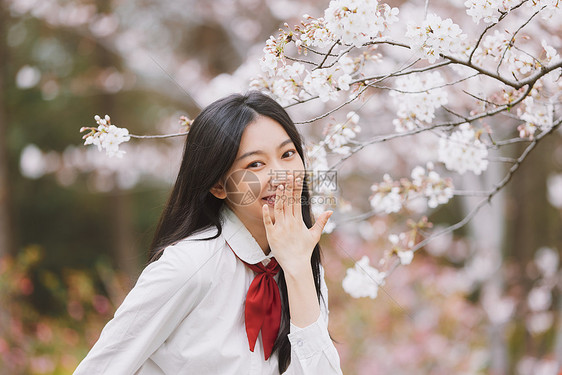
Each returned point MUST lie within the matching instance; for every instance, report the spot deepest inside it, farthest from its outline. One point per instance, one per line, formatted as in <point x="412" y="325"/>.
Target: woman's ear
<point x="218" y="191"/>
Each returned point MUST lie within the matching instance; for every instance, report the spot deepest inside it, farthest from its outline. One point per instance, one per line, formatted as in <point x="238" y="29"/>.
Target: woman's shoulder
<point x="199" y="245"/>
<point x="190" y="256"/>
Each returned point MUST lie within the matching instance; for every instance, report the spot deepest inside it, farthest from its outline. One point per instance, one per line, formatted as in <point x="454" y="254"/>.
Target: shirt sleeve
<point x="312" y="349"/>
<point x="165" y="292"/>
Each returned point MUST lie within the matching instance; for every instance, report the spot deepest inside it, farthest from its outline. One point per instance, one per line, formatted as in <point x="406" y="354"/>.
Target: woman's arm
<point x="292" y="244"/>
<point x="312" y="349"/>
<point x="303" y="301"/>
<point x="166" y="291"/>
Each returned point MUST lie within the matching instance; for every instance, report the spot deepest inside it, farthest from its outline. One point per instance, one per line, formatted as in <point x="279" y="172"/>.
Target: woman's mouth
<point x="270" y="200"/>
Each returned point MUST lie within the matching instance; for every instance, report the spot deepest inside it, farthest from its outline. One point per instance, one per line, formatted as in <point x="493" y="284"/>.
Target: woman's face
<point x="265" y="155"/>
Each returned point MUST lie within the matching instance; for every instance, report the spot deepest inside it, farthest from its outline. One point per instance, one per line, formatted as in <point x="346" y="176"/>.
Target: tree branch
<point x="319" y="66"/>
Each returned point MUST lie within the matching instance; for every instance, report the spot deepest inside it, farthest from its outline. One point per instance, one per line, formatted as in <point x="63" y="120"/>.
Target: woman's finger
<point x="319" y="225"/>
<point x="278" y="208"/>
<point x="288" y="202"/>
<point x="266" y="218"/>
<point x="297" y="206"/>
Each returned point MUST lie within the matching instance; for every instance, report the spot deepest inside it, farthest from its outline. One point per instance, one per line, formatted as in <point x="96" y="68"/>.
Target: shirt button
<point x="299" y="343"/>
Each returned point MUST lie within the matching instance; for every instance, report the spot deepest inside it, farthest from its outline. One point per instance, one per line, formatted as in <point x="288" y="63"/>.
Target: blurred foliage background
<point x="75" y="225"/>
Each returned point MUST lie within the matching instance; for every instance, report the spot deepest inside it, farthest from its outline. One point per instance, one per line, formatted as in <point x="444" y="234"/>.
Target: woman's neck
<point x="260" y="236"/>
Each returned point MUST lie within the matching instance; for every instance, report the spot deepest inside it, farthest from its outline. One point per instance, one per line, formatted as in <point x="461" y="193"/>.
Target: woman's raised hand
<point x="290" y="240"/>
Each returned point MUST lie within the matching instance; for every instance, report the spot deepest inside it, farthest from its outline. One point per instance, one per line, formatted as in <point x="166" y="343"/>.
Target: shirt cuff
<point x="310" y="340"/>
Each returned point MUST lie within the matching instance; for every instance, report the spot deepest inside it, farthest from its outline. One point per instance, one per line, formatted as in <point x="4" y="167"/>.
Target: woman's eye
<point x="253" y="165"/>
<point x="292" y="152"/>
<point x="256" y="164"/>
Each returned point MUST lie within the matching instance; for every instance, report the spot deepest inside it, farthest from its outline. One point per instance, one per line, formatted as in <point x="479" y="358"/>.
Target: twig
<point x="335" y="109"/>
<point x="494" y="191"/>
<point x="427" y="89"/>
<point x="385" y="138"/>
<point x="512" y="40"/>
<point x="299" y="60"/>
<point x="319" y="66"/>
<point x="316" y="52"/>
<point x="158" y="136"/>
<point x="403" y="73"/>
<point x="502" y="16"/>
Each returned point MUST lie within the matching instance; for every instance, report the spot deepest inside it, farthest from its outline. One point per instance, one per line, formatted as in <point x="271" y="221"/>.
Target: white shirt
<point x="185" y="315"/>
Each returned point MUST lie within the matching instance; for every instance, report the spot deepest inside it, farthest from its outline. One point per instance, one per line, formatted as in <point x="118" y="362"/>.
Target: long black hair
<point x="210" y="149"/>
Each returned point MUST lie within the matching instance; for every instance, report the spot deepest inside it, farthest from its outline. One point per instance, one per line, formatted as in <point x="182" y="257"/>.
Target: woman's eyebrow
<point x="288" y="140"/>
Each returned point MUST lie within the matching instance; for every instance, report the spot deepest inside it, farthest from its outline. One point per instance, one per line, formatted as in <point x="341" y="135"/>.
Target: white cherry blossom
<point x="339" y="135"/>
<point x="405" y="257"/>
<point x="386" y="201"/>
<point x="314" y="33"/>
<point x="462" y="151"/>
<point x="363" y="280"/>
<point x="433" y="187"/>
<point x="435" y="36"/>
<point x="550" y="8"/>
<point x="417" y="97"/>
<point x="356" y="22"/>
<point x="499" y="48"/>
<point x="486" y="10"/>
<point x="318" y="83"/>
<point x="536" y="116"/>
<point x="107" y="137"/>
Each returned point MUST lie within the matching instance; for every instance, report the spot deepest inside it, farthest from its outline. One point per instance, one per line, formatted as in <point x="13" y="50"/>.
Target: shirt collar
<point x="240" y="239"/>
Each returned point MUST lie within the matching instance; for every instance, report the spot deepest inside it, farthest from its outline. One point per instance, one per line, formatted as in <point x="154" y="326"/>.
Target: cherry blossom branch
<point x="469" y="64"/>
<point x="501" y="17"/>
<point x="343" y="53"/>
<point x="319" y="66"/>
<point x="528" y="54"/>
<point x="470" y="193"/>
<point x="488" y="195"/>
<point x="362" y="90"/>
<point x="389" y="42"/>
<point x="534" y="78"/>
<point x="512" y="40"/>
<point x="503" y="159"/>
<point x="481" y="99"/>
<point x="485" y="72"/>
<point x="294" y="59"/>
<point x="363" y="80"/>
<point x="482" y="37"/>
<point x="426" y="89"/>
<point x="301" y="101"/>
<point x="317" y="52"/>
<point x="385" y="138"/>
<point x="500" y="108"/>
<point x="158" y="136"/>
<point x="404" y="73"/>
<point x="454" y="113"/>
<point x="510" y="142"/>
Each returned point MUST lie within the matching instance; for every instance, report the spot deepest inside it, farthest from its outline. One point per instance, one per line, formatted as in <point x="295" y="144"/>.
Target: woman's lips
<point x="270" y="200"/>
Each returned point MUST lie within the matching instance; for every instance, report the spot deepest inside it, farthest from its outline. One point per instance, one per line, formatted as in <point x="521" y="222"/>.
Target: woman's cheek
<point x="297" y="167"/>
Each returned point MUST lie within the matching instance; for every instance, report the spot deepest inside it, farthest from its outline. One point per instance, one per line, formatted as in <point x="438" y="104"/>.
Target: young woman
<point x="235" y="284"/>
